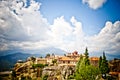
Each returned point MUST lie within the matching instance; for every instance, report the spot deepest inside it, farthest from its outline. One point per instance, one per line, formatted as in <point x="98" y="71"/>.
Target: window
<point x="68" y="62"/>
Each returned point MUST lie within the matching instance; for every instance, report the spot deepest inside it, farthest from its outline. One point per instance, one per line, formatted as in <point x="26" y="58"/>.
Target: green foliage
<point x="33" y="59"/>
<point x="41" y="57"/>
<point x="45" y="77"/>
<point x="46" y="65"/>
<point x="71" y="77"/>
<point x="100" y="61"/>
<point x="86" y="72"/>
<point x="104" y="65"/>
<point x="54" y="61"/>
<point x="13" y="73"/>
<point x="47" y="55"/>
<point x="78" y="63"/>
<point x="23" y="77"/>
<point x="38" y="65"/>
<point x="87" y="62"/>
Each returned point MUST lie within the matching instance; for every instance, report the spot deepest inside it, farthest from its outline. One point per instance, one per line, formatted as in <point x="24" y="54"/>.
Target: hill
<point x="9" y="58"/>
<point x="8" y="61"/>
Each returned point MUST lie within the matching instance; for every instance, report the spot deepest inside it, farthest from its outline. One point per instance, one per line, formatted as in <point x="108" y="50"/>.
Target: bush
<point x="38" y="65"/>
<point x="46" y="65"/>
<point x="71" y="77"/>
<point x="45" y="77"/>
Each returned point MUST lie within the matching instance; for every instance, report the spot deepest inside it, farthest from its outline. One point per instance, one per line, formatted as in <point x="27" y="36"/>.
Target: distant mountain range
<point x="9" y="58"/>
<point x="8" y="61"/>
<point x="42" y="51"/>
<point x="112" y="56"/>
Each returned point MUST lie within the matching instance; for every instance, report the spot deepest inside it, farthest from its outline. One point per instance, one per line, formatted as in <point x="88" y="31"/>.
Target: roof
<point x="114" y="73"/>
<point x="75" y="53"/>
<point x="68" y="58"/>
<point x="67" y="64"/>
<point x="94" y="58"/>
<point x="40" y="59"/>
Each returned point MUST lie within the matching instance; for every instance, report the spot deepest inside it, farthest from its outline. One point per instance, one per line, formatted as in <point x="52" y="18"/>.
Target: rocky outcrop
<point x="58" y="72"/>
<point x="27" y="71"/>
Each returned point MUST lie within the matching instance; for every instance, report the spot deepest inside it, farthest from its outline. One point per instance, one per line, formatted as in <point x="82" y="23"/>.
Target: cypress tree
<point x="87" y="62"/>
<point x="78" y="64"/>
<point x="104" y="65"/>
<point x="100" y="61"/>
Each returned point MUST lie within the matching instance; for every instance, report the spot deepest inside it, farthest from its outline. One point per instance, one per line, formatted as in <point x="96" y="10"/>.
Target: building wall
<point x="41" y="61"/>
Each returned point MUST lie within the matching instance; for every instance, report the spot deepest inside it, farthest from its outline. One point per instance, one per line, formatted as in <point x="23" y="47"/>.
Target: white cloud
<point x="60" y="29"/>
<point x="28" y="45"/>
<point x="25" y="28"/>
<point x="20" y="24"/>
<point x="67" y="36"/>
<point x="94" y="4"/>
<point x="9" y="24"/>
<point x="18" y="20"/>
<point x="108" y="39"/>
<point x="3" y="46"/>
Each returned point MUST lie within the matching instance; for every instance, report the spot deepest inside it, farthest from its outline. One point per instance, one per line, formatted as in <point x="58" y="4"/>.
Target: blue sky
<point x="69" y="25"/>
<point x="93" y="20"/>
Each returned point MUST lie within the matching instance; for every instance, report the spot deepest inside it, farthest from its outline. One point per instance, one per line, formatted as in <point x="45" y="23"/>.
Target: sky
<point x="65" y="24"/>
<point x="92" y="17"/>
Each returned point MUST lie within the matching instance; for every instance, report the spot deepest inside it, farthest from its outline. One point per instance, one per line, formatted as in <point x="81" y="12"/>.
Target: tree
<point x="87" y="62"/>
<point x="104" y="65"/>
<point x="33" y="59"/>
<point x="78" y="64"/>
<point x="41" y="57"/>
<point x="86" y="72"/>
<point x="47" y="55"/>
<point x="100" y="61"/>
<point x="14" y="75"/>
<point x="39" y="69"/>
<point x="54" y="61"/>
<point x="45" y="77"/>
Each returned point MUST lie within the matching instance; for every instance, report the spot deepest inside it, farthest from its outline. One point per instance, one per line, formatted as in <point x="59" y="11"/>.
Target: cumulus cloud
<point x="108" y="38"/>
<point x="20" y="22"/>
<point x="94" y="4"/>
<point x="22" y="26"/>
<point x="70" y="36"/>
<point x="9" y="24"/>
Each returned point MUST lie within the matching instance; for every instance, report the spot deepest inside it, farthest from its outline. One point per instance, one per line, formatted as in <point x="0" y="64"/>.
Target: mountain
<point x="9" y="58"/>
<point x="108" y="55"/>
<point x="113" y="56"/>
<point x="42" y="51"/>
<point x="8" y="61"/>
<point x="51" y="50"/>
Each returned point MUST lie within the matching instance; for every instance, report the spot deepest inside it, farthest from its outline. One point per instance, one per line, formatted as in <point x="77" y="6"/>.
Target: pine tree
<point x="78" y="64"/>
<point x="100" y="61"/>
<point x="104" y="65"/>
<point x="85" y="71"/>
<point x="87" y="62"/>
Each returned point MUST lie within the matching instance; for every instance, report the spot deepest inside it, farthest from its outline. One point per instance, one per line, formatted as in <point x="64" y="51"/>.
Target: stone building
<point x="70" y="59"/>
<point x="94" y="61"/>
<point x="41" y="61"/>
